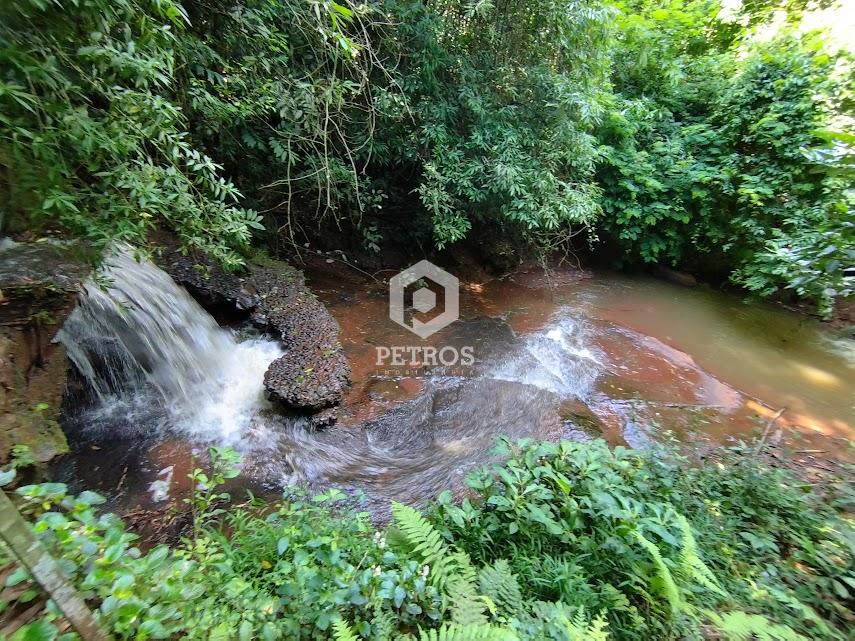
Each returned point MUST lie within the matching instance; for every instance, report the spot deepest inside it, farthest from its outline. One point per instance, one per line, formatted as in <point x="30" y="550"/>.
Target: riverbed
<point x="564" y="354"/>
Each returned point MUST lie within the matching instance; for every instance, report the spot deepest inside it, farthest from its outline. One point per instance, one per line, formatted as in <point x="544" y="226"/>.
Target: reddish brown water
<point x="569" y="354"/>
<point x="704" y="364"/>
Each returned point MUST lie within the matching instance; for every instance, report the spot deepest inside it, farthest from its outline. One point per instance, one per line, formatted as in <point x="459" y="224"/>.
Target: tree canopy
<point x="690" y="134"/>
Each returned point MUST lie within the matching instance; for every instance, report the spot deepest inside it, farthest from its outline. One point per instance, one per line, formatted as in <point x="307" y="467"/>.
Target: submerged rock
<point x="314" y="372"/>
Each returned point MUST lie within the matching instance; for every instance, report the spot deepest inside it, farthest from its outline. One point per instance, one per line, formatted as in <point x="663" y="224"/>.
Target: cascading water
<point x="156" y="360"/>
<point x="154" y="357"/>
<point x="559" y="359"/>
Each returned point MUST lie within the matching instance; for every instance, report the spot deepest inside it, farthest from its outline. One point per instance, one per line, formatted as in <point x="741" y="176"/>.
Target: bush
<point x="563" y="541"/>
<point x="718" y="153"/>
<point x="661" y="548"/>
<point x="670" y="126"/>
<point x="503" y="103"/>
<point x="92" y="140"/>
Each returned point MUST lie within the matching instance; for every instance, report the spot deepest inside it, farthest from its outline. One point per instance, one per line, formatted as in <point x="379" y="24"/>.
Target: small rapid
<point x="153" y="358"/>
<point x="559" y="359"/>
<point x="428" y="443"/>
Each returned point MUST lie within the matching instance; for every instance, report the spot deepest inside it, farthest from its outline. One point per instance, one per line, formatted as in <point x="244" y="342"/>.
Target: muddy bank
<point x="314" y="373"/>
<point x="38" y="289"/>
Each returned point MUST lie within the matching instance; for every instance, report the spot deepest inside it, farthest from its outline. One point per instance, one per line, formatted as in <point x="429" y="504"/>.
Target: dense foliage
<point x="91" y="137"/>
<point x="681" y="131"/>
<point x="563" y="541"/>
<point x="504" y="101"/>
<point x="719" y="154"/>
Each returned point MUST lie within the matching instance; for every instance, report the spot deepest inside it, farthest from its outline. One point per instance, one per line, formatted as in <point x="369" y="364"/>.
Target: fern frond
<point x="455" y="632"/>
<point x="669" y="586"/>
<point x="580" y="629"/>
<point x="598" y="630"/>
<point x="426" y="543"/>
<point x="425" y="540"/>
<point x="467" y="606"/>
<point x="560" y="621"/>
<point x="449" y="570"/>
<point x="691" y="563"/>
<point x="500" y="584"/>
<point x="343" y="631"/>
<point x="742" y="626"/>
<point x="383" y="624"/>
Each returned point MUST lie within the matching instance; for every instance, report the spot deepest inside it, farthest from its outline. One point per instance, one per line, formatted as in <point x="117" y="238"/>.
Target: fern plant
<point x="500" y="585"/>
<point x="449" y="570"/>
<point x="741" y="626"/>
<point x="343" y="632"/>
<point x="627" y="543"/>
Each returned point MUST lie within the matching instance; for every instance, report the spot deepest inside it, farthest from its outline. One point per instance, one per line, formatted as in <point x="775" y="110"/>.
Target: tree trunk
<point x="15" y="532"/>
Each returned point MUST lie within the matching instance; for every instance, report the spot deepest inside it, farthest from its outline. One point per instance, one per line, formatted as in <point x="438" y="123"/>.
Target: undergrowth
<point x="562" y="541"/>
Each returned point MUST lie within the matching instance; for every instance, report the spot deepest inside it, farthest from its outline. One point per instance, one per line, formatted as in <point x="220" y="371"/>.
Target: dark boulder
<point x="206" y="280"/>
<point x="314" y="372"/>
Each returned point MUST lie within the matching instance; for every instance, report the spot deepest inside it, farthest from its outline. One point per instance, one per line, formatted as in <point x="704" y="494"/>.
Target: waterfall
<point x="154" y="357"/>
<point x="157" y="363"/>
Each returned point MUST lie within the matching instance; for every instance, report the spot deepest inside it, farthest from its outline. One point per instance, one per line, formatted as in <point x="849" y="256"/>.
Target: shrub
<point x="717" y="152"/>
<point x="91" y="137"/>
<point x="657" y="545"/>
<point x="563" y="541"/>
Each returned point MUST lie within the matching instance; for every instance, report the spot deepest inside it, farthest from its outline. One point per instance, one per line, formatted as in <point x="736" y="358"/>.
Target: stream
<point x="565" y="355"/>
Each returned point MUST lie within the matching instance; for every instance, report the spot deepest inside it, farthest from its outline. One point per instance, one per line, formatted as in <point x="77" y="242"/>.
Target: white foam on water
<point x="559" y="359"/>
<point x="150" y="352"/>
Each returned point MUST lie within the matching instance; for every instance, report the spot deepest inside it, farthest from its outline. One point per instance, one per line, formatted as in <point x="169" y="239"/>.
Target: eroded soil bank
<point x="38" y="289"/>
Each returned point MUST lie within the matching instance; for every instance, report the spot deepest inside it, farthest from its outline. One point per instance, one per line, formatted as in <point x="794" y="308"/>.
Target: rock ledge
<point x="314" y="372"/>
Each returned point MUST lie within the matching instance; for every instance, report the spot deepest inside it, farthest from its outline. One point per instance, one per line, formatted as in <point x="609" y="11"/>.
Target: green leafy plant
<point x="655" y="548"/>
<point x="205" y="495"/>
<point x="718" y="153"/>
<point x="92" y="139"/>
<point x="615" y="531"/>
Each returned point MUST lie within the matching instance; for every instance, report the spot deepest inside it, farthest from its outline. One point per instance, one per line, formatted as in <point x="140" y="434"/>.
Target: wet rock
<point x="579" y="418"/>
<point x="38" y="289"/>
<point x="206" y="280"/>
<point x="314" y="372"/>
<point x="679" y="278"/>
<point x="324" y="418"/>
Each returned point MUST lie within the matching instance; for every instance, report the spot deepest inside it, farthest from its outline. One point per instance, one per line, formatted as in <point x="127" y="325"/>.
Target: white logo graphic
<point x="424" y="299"/>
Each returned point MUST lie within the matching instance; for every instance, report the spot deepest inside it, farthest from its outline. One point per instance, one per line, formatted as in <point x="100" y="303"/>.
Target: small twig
<point x="348" y="263"/>
<point x="122" y="479"/>
<point x="361" y="561"/>
<point x="769" y="425"/>
<point x="825" y="468"/>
